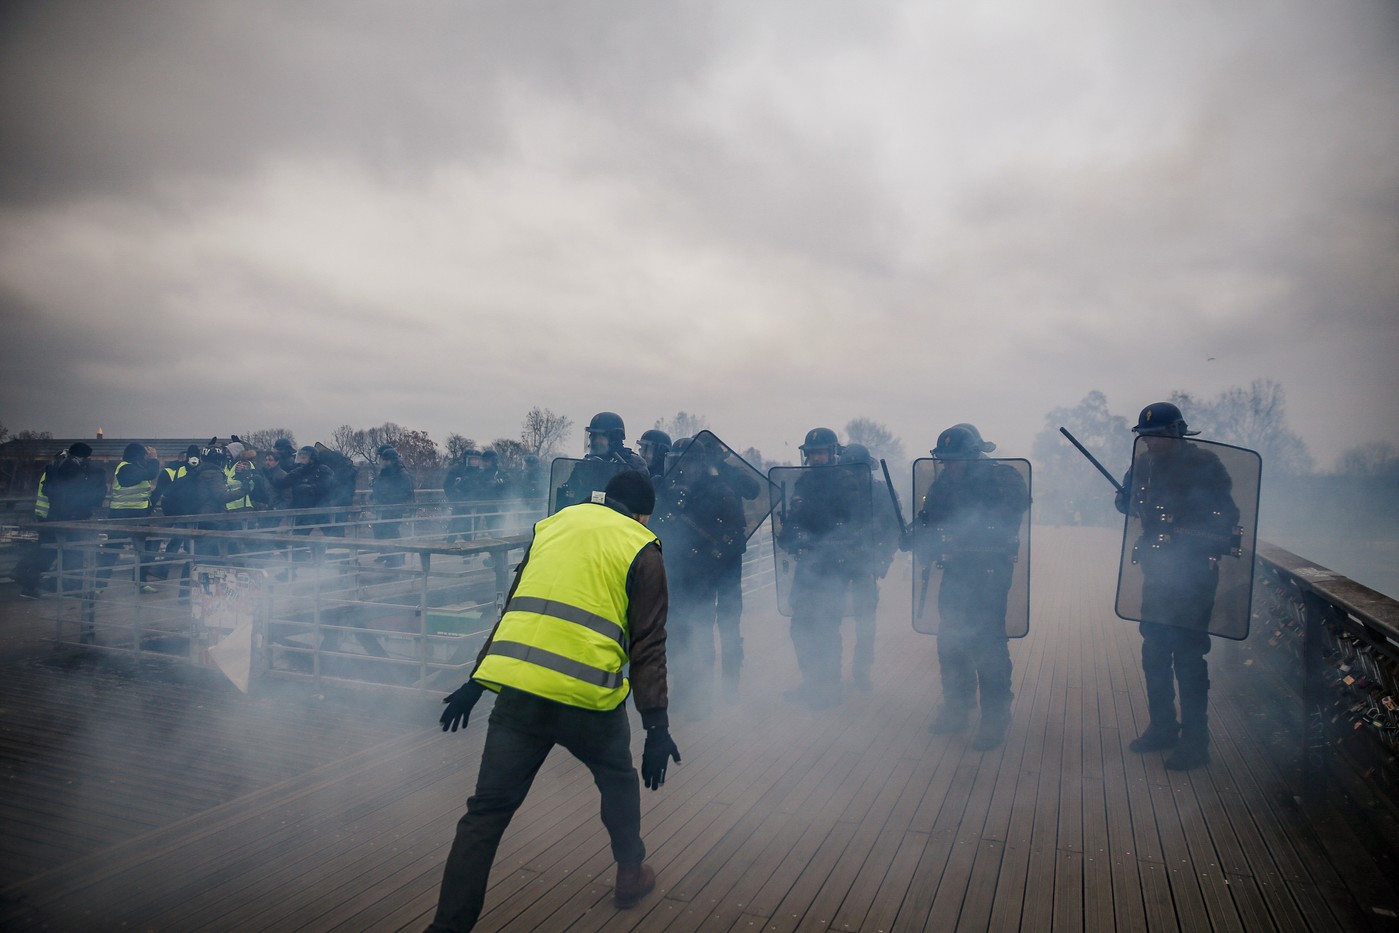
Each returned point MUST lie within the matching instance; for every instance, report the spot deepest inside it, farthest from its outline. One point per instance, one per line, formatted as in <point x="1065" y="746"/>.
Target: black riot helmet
<point x="606" y="422"/>
<point x="856" y="453"/>
<point x="657" y="437"/>
<point x="1162" y="419"/>
<point x="609" y="424"/>
<point x="820" y="439"/>
<point x="957" y="443"/>
<point x="984" y="446"/>
<point x="654" y="446"/>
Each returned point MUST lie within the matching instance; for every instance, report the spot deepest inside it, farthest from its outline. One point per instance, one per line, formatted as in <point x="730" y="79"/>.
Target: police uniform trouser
<point x="864" y="604"/>
<point x="818" y="602"/>
<point x="522" y="730"/>
<point x="1176" y="642"/>
<point x="972" y="643"/>
<point x="728" y="611"/>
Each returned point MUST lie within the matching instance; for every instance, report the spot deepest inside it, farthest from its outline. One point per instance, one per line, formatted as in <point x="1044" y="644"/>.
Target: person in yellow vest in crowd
<point x="589" y="597"/>
<point x="237" y="469"/>
<point x="70" y="489"/>
<point x="164" y="480"/>
<point x="132" y="488"/>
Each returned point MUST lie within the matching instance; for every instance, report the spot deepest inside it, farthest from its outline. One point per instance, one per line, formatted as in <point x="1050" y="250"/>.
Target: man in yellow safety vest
<point x="588" y="600"/>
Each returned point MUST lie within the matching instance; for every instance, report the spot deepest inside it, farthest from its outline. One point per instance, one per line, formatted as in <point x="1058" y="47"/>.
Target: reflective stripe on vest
<point x="137" y="497"/>
<point x="245" y="502"/>
<point x="564" y="634"/>
<point x="41" y="498"/>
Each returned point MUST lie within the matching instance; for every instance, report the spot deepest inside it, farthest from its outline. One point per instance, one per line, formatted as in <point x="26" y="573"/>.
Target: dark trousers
<point x="973" y="650"/>
<point x="522" y="730"/>
<point x="36" y="561"/>
<point x="700" y="604"/>
<point x="111" y="550"/>
<point x="1179" y="600"/>
<point x="388" y="528"/>
<point x="818" y="603"/>
<point x="1176" y="654"/>
<point x="864" y="606"/>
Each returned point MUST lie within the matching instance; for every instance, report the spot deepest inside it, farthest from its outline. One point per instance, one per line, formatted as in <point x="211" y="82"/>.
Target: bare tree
<point x="415" y="448"/>
<point x="344" y="439"/>
<point x="878" y="439"/>
<point x="1377" y="458"/>
<point x="683" y="424"/>
<point x="457" y="444"/>
<point x="264" y="439"/>
<point x="542" y="431"/>
<point x="755" y="459"/>
<point x="4" y="434"/>
<point x="510" y="452"/>
<point x="28" y="435"/>
<point x="1253" y="417"/>
<point x="1068" y="490"/>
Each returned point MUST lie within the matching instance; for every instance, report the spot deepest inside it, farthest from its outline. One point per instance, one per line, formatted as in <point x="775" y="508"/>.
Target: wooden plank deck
<point x="140" y="798"/>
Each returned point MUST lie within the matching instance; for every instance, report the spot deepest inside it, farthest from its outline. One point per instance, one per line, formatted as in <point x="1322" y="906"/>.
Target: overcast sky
<point x="218" y="217"/>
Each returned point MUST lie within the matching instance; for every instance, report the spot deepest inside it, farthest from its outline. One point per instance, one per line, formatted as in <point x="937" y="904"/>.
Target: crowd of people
<point x="231" y="480"/>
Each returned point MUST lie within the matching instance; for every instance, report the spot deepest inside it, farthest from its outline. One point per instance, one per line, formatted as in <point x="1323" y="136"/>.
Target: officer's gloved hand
<point x="656" y="755"/>
<point x="459" y="705"/>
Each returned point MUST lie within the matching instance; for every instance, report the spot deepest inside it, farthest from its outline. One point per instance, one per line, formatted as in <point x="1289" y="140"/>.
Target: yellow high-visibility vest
<point x="134" y="498"/>
<point x="243" y="502"/>
<point x="564" y="635"/>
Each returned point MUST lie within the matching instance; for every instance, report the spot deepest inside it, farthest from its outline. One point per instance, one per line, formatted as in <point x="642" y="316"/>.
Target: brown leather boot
<point x="633" y="883"/>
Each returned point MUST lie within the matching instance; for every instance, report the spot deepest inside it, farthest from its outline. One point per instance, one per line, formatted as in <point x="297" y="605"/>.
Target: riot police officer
<point x="970" y="521"/>
<point x="868" y="566"/>
<point x="822" y="528"/>
<point x="606" y="434"/>
<point x="654" y="446"/>
<point x="702" y="526"/>
<point x="1186" y="489"/>
<point x="459" y="487"/>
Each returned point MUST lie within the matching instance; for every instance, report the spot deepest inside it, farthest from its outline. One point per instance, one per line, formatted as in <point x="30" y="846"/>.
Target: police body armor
<point x="572" y="481"/>
<point x="1189" y="536"/>
<point x="970" y="539"/>
<point x="821" y="523"/>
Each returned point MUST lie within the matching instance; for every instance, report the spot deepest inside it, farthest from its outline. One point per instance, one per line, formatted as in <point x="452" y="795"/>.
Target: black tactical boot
<point x="633" y="883"/>
<point x="1157" y="737"/>
<point x="1193" y="750"/>
<point x="949" y="719"/>
<point x="992" y="731"/>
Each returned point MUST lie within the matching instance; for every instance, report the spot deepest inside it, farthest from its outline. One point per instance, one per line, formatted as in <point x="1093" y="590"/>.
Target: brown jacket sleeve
<point x="648" y="601"/>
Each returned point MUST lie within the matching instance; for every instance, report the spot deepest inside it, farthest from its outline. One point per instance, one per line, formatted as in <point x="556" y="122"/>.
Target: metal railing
<point x="1336" y="643"/>
<point x="399" y="603"/>
<point x="343" y="596"/>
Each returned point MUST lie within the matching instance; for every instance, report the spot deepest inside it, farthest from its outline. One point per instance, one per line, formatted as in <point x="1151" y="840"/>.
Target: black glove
<point x="655" y="754"/>
<point x="459" y="705"/>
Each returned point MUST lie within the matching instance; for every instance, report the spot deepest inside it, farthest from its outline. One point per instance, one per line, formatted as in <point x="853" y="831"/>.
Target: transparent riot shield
<point x="1189" y="537"/>
<point x="821" y="522"/>
<point x="573" y="481"/>
<point x="970" y="537"/>
<point x="714" y="492"/>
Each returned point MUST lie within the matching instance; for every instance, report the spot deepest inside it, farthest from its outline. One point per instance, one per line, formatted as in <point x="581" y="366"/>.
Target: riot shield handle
<point x="1093" y="460"/>
<point x="898" y="510"/>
